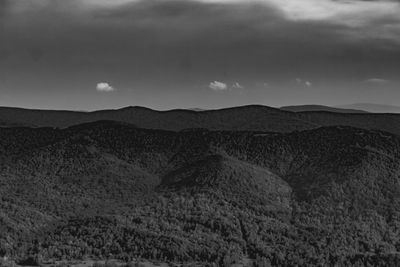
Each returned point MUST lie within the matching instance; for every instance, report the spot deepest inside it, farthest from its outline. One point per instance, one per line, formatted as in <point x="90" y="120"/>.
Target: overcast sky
<point x="95" y="54"/>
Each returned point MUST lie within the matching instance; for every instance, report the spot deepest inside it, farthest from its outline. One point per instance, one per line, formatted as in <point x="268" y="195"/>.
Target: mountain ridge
<point x="244" y="118"/>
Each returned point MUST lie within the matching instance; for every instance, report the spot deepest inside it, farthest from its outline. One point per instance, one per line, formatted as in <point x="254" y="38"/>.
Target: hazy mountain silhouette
<point x="374" y="108"/>
<point x="316" y="197"/>
<point x="253" y="118"/>
<point x="263" y="118"/>
<point x="197" y="109"/>
<point x="302" y="108"/>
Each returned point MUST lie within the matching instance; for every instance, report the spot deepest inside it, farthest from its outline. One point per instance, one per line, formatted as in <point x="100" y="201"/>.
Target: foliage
<point x="322" y="197"/>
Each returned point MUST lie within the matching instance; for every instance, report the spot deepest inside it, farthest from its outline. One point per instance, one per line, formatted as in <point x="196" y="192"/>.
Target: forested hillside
<point x="111" y="190"/>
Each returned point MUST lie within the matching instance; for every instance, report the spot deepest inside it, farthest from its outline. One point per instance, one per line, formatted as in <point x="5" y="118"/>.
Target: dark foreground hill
<point x="323" y="197"/>
<point x="249" y="118"/>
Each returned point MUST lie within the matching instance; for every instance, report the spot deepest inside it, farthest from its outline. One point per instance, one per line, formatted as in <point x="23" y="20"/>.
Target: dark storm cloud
<point x="182" y="45"/>
<point x="4" y="6"/>
<point x="173" y="24"/>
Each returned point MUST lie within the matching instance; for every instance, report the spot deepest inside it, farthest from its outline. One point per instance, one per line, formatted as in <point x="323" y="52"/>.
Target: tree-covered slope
<point x="318" y="197"/>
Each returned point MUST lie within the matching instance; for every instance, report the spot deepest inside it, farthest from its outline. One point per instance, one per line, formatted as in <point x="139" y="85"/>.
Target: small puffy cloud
<point x="303" y="82"/>
<point x="104" y="87"/>
<point x="237" y="85"/>
<point x="376" y="81"/>
<point x="218" y="86"/>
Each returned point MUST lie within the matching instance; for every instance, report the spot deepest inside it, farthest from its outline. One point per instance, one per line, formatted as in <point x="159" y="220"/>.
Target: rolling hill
<point x="315" y="197"/>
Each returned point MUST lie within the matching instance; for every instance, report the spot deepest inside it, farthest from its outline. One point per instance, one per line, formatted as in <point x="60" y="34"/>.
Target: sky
<point x="165" y="54"/>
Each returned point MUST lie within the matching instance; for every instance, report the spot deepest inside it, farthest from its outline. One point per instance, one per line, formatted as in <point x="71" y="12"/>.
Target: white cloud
<point x="376" y="81"/>
<point x="304" y="83"/>
<point x="327" y="9"/>
<point x="237" y="85"/>
<point x="108" y="3"/>
<point x="218" y="86"/>
<point x="104" y="87"/>
<point x="263" y="84"/>
<point x="354" y="11"/>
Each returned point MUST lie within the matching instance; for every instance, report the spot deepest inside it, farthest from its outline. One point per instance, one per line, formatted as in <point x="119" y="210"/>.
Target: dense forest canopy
<point x="106" y="189"/>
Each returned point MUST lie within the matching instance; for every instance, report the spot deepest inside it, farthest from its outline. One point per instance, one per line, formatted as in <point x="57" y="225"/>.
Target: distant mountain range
<point x="197" y="109"/>
<point x="253" y="118"/>
<point x="373" y="108"/>
<point x="304" y="108"/>
<point x="351" y="108"/>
